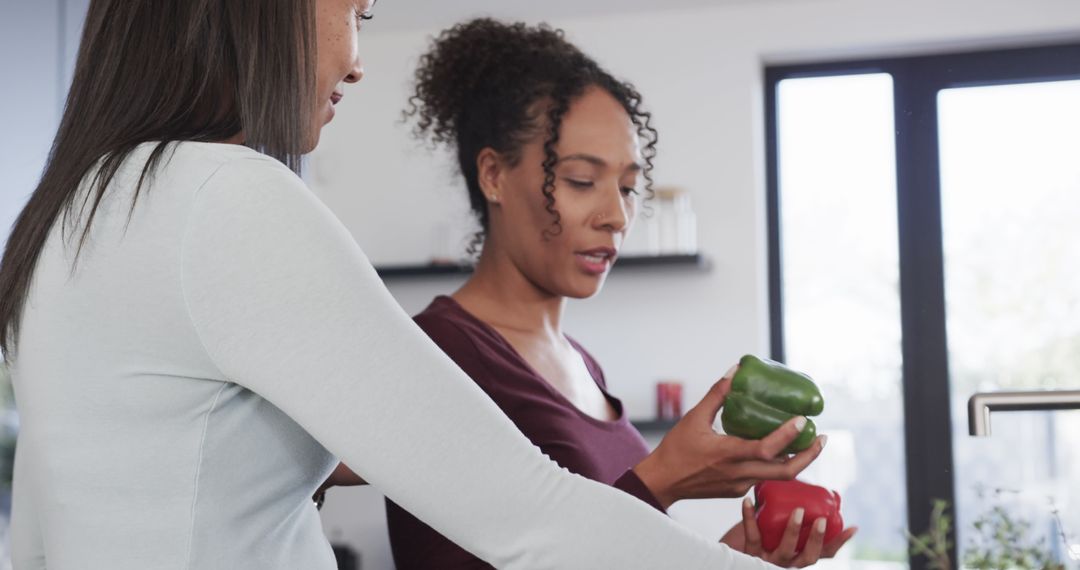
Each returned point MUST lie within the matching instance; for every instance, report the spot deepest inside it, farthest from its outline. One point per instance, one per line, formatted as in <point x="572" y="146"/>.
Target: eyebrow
<point x="597" y="161"/>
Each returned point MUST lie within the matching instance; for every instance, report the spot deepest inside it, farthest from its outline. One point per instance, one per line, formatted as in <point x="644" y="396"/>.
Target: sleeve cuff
<point x="632" y="484"/>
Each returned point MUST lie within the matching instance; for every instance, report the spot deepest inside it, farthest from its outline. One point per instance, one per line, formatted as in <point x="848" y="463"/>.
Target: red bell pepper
<point x="776" y="500"/>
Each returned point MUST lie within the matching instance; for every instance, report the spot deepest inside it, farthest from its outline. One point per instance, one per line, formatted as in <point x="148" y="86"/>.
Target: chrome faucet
<point x="981" y="404"/>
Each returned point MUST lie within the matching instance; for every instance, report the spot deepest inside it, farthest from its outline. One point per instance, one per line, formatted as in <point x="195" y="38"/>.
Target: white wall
<point x="700" y="71"/>
<point x="30" y="99"/>
<point x="38" y="43"/>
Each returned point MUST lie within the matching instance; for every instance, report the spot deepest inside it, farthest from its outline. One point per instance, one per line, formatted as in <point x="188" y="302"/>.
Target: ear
<point x="490" y="170"/>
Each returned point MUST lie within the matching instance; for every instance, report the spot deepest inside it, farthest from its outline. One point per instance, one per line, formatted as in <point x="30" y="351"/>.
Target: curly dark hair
<point x="485" y="83"/>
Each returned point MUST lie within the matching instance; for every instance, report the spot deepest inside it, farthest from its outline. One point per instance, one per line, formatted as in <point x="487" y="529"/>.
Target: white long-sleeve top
<point x="185" y="387"/>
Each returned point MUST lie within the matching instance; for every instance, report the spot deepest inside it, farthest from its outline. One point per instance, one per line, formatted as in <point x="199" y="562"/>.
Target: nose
<point x="614" y="214"/>
<point x="356" y="73"/>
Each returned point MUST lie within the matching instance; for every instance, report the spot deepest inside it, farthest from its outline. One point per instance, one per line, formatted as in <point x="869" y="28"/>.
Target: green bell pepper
<point x="765" y="394"/>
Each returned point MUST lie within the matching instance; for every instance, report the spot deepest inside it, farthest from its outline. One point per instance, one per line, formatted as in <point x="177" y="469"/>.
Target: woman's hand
<point x="745" y="537"/>
<point x="695" y="462"/>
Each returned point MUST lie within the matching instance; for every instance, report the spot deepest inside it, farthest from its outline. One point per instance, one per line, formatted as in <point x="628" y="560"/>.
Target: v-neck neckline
<point x="559" y="396"/>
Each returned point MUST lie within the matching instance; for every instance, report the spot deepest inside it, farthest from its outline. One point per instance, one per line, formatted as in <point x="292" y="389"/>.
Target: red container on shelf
<point x="668" y="400"/>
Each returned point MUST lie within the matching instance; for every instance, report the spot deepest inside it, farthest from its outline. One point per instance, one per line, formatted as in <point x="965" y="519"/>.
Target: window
<point x="924" y="247"/>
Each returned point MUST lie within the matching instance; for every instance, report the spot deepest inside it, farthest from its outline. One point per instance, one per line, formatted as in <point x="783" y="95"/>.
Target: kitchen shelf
<point x="654" y="426"/>
<point x="693" y="262"/>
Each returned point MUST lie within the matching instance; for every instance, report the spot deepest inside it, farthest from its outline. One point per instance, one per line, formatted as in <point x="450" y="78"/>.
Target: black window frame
<point x="916" y="83"/>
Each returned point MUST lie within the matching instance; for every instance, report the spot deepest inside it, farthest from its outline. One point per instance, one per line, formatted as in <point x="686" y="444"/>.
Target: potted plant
<point x="1000" y="541"/>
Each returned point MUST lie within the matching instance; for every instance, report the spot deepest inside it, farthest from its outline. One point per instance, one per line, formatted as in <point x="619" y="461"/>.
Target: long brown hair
<point x="165" y="71"/>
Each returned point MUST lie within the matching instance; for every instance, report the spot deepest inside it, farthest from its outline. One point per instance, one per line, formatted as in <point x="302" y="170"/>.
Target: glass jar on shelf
<point x="676" y="221"/>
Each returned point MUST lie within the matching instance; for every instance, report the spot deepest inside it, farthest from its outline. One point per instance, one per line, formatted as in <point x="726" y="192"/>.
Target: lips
<point x="335" y="97"/>
<point x="598" y="254"/>
<point x="596" y="261"/>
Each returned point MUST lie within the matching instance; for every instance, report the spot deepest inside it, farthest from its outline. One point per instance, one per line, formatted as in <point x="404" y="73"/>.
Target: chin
<point x="312" y="141"/>
<point x="584" y="290"/>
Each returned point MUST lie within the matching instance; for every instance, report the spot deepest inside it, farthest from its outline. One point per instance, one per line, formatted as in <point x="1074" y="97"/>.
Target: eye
<point x="580" y="184"/>
<point x="629" y="190"/>
<point x="362" y="16"/>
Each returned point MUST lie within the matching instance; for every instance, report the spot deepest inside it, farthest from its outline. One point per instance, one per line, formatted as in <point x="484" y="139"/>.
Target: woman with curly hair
<point x="556" y="154"/>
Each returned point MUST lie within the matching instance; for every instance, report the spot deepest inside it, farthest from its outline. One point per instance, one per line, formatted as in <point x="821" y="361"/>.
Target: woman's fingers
<point x="776" y="442"/>
<point x="829" y="550"/>
<point x="766" y="470"/>
<point x="704" y="412"/>
<point x="812" y="551"/>
<point x="785" y="553"/>
<point x="694" y="462"/>
<point x="785" y="469"/>
<point x="750" y="529"/>
<point x="710" y="405"/>
<point x="801" y="460"/>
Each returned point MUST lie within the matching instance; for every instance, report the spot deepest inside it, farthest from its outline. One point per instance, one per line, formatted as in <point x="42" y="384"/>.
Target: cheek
<point x="350" y="48"/>
<point x="325" y="65"/>
<point x="530" y="201"/>
<point x="631" y="216"/>
<point x="336" y="50"/>
<point x="529" y="221"/>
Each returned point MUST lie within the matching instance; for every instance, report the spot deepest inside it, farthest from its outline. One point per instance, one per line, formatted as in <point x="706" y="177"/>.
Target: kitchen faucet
<point x="981" y="404"/>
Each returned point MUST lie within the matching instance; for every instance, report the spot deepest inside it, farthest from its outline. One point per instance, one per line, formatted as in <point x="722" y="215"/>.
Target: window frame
<point x="925" y="372"/>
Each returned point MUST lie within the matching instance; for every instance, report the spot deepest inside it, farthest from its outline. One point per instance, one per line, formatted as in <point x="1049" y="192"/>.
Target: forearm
<point x="632" y="484"/>
<point x="659" y="479"/>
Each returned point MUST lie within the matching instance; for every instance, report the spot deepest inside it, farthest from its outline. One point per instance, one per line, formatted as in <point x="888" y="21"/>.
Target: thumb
<point x="710" y="405"/>
<point x="773" y="444"/>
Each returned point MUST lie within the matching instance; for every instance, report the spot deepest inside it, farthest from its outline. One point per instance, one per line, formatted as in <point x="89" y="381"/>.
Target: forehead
<point x="597" y="123"/>
<point x="360" y="5"/>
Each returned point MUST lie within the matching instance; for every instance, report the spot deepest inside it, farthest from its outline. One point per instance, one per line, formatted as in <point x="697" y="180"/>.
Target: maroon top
<point x="601" y="450"/>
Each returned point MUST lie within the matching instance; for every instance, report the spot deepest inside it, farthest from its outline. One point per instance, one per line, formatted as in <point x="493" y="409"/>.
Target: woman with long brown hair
<point x="194" y="336"/>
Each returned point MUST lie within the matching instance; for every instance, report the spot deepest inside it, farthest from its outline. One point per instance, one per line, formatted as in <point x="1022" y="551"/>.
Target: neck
<point x="238" y="138"/>
<point x="500" y="294"/>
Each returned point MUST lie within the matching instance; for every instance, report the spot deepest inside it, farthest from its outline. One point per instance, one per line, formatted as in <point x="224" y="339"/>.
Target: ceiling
<point x="395" y="15"/>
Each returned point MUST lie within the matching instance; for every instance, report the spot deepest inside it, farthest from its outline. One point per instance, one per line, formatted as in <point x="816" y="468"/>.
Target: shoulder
<point x="233" y="169"/>
<point x="466" y="343"/>
<point x="254" y="167"/>
<point x="449" y="329"/>
<point x="245" y="184"/>
<point x="222" y="153"/>
<point x="249" y="211"/>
